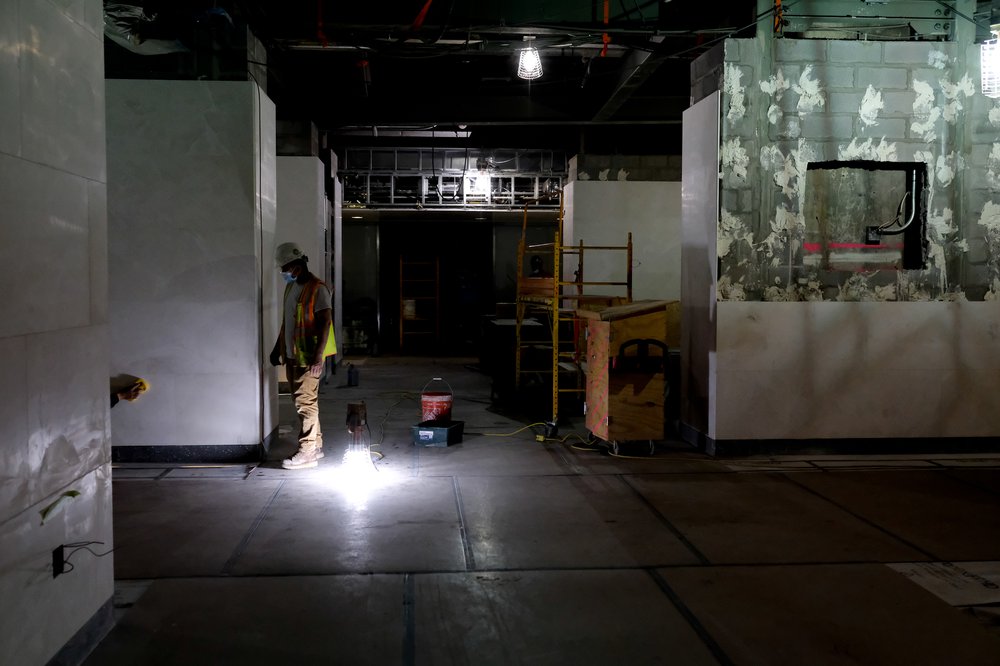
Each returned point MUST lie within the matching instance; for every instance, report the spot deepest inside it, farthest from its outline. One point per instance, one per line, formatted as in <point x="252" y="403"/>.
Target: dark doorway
<point x="448" y="261"/>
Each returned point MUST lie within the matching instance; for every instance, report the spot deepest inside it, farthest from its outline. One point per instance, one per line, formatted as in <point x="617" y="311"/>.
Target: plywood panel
<point x="598" y="340"/>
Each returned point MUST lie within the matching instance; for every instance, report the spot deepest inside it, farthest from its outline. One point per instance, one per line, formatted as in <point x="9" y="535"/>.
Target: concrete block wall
<point x="706" y="73"/>
<point x="791" y="102"/>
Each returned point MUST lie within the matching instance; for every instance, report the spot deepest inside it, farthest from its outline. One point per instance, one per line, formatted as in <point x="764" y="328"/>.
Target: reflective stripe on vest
<point x="304" y="338"/>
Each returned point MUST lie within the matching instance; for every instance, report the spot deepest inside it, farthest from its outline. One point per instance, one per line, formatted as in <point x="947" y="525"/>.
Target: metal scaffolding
<point x="555" y="300"/>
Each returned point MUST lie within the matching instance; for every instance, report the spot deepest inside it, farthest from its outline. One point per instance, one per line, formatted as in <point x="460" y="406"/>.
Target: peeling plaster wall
<point x="807" y="353"/>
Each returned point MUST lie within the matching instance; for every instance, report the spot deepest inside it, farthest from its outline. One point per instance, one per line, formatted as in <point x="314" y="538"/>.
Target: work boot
<point x="302" y="460"/>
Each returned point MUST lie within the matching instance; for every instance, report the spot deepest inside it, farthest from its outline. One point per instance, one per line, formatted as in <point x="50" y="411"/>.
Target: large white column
<point x="303" y="218"/>
<point x="54" y="449"/>
<point x="191" y="203"/>
<point x="337" y="251"/>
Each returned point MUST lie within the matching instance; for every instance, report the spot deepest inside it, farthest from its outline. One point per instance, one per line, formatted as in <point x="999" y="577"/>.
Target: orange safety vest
<point x="304" y="337"/>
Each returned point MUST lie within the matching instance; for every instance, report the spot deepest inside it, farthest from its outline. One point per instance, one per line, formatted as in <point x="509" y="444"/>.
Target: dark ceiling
<point x="354" y="68"/>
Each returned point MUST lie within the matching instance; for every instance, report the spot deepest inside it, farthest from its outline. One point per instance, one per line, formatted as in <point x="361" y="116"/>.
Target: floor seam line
<point x="863" y="519"/>
<point x="572" y="469"/>
<point x="543" y="569"/>
<point x="666" y="522"/>
<point x="245" y="541"/>
<point x="409" y="655"/>
<point x="949" y="472"/>
<point x="692" y="619"/>
<point x="470" y="556"/>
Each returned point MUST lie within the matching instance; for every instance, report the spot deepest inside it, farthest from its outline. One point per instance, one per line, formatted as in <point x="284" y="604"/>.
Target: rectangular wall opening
<point x="865" y="216"/>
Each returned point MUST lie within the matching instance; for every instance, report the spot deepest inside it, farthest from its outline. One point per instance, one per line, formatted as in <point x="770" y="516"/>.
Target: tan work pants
<point x="305" y="392"/>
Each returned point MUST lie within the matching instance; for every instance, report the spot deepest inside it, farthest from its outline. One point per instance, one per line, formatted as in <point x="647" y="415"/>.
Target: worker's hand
<point x="316" y="369"/>
<point x="133" y="391"/>
<point x="275" y="357"/>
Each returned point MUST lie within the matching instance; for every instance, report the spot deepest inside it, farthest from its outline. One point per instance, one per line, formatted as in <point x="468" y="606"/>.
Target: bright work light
<point x="529" y="64"/>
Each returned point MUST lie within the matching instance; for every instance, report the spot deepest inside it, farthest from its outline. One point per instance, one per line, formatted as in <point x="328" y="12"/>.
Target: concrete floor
<point x="504" y="550"/>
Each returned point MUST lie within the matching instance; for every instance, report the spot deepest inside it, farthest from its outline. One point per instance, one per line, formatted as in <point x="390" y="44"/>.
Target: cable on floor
<point x="618" y="455"/>
<point x="404" y="395"/>
<point x="511" y="434"/>
<point x="594" y="447"/>
<point x="562" y="440"/>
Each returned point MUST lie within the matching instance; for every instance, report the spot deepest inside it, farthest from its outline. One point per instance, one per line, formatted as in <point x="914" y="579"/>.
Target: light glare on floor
<point x="356" y="478"/>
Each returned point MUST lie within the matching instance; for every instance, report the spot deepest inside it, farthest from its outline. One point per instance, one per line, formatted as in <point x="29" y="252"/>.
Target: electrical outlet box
<point x="872" y="236"/>
<point x="58" y="561"/>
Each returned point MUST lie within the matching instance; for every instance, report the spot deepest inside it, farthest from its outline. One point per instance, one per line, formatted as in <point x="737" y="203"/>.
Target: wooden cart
<point x="626" y="370"/>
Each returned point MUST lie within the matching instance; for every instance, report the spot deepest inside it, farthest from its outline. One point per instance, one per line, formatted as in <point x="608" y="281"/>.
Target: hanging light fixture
<point x="990" y="64"/>
<point x="529" y="64"/>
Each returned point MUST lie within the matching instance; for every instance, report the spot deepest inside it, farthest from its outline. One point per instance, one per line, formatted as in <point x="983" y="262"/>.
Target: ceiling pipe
<point x="522" y="123"/>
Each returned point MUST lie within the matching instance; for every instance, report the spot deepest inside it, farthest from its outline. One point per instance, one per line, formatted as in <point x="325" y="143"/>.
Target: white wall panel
<point x="191" y="410"/>
<point x="16" y="475"/>
<point x="191" y="199"/>
<point x="301" y="218"/>
<point x="46" y="220"/>
<point x="53" y="344"/>
<point x="184" y="350"/>
<point x="178" y="337"/>
<point x="68" y="396"/>
<point x="267" y="220"/>
<point x="74" y="10"/>
<point x="857" y="370"/>
<point x="338" y="255"/>
<point x="93" y="16"/>
<point x="62" y="93"/>
<point x="10" y="79"/>
<point x="42" y="613"/>
<point x="603" y="212"/>
<point x="302" y="207"/>
<point x="700" y="216"/>
<point x="97" y="227"/>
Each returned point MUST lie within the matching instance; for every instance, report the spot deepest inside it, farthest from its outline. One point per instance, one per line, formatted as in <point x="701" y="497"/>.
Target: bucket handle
<point x="438" y="379"/>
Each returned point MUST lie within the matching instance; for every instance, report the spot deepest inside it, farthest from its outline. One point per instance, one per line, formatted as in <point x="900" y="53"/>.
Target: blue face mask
<point x="288" y="277"/>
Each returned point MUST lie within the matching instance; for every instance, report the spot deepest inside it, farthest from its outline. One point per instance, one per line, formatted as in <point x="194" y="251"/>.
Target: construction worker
<point x="303" y="344"/>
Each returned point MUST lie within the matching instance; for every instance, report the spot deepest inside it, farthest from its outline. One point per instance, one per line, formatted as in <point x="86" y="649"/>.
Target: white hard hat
<point x="286" y="253"/>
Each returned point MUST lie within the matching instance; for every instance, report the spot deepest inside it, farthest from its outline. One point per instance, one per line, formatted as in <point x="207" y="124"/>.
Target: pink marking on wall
<point x="818" y="247"/>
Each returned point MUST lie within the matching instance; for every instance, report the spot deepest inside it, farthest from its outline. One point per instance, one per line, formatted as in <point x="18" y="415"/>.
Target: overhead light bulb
<point x="990" y="65"/>
<point x="529" y="64"/>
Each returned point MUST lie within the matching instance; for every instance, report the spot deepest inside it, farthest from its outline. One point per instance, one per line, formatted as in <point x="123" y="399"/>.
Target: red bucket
<point x="436" y="405"/>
